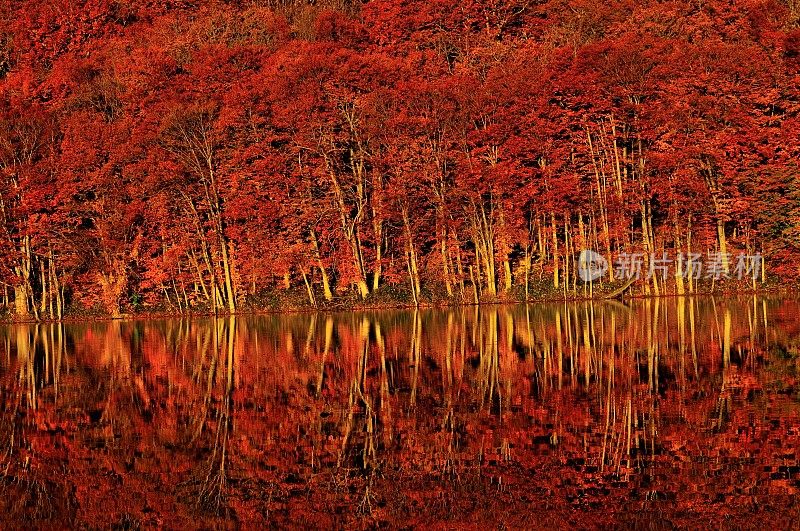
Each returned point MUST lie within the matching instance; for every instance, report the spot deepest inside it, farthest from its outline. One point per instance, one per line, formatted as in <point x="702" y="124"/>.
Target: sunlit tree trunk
<point x="57" y="289"/>
<point x="527" y="266"/>
<point x="690" y="276"/>
<point x="326" y="284"/>
<point x="712" y="182"/>
<point x="679" y="271"/>
<point x="376" y="273"/>
<point x="504" y="251"/>
<point x="476" y="295"/>
<point x="377" y="228"/>
<point x="555" y="250"/>
<point x="224" y="244"/>
<point x="507" y="278"/>
<point x="349" y="229"/>
<point x="309" y="288"/>
<point x="568" y="254"/>
<point x="602" y="198"/>
<point x="350" y="215"/>
<point x="112" y="283"/>
<point x="21" y="300"/>
<point x="483" y="235"/>
<point x="647" y="239"/>
<point x="190" y="137"/>
<point x="411" y="255"/>
<point x="459" y="265"/>
<point x="43" y="280"/>
<point x="445" y="262"/>
<point x="723" y="244"/>
<point x="200" y="280"/>
<point x="23" y="294"/>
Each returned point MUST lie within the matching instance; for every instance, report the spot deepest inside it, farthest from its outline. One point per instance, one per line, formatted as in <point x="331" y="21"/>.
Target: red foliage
<point x="504" y="130"/>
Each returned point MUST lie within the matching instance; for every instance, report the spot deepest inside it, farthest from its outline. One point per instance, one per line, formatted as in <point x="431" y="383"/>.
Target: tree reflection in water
<point x="585" y="414"/>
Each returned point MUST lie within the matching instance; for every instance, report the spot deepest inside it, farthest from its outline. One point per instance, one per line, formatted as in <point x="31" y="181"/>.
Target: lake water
<point x="654" y="413"/>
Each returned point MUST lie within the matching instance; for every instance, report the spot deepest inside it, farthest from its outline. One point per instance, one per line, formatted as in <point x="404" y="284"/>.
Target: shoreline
<point x="350" y="305"/>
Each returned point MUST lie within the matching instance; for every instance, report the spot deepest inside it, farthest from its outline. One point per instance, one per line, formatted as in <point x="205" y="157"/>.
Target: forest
<point x="220" y="156"/>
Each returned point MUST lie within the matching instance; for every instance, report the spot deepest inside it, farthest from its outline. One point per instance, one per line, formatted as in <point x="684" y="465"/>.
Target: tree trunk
<point x="679" y="282"/>
<point x="113" y="285"/>
<point x="484" y="245"/>
<point x="21" y="300"/>
<point x="350" y="231"/>
<point x="445" y="261"/>
<point x="723" y="245"/>
<point x="507" y="275"/>
<point x="326" y="284"/>
<point x="226" y="269"/>
<point x="309" y="288"/>
<point x="45" y="288"/>
<point x="22" y="291"/>
<point x="377" y="225"/>
<point x="555" y="250"/>
<point x="411" y="254"/>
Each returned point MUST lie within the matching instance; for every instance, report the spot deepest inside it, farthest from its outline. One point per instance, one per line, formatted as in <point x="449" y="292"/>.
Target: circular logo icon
<point x="591" y="265"/>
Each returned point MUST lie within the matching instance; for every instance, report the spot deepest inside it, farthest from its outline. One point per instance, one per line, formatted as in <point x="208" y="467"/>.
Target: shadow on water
<point x="661" y="413"/>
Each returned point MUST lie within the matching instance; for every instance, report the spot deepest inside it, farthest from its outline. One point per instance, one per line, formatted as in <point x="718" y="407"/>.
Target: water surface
<point x="655" y="413"/>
